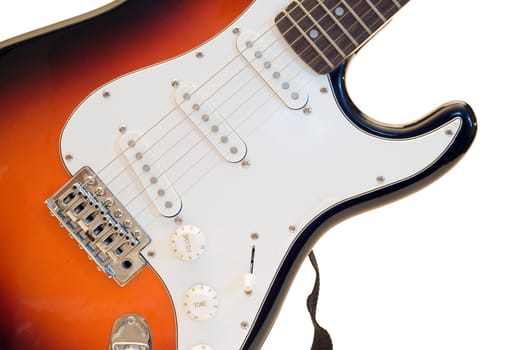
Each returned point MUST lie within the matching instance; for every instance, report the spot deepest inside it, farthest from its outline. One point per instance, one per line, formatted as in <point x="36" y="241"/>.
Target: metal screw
<point x="169" y="204"/>
<point x="90" y="180"/>
<point x="307" y="110"/>
<point x="178" y="220"/>
<point x="324" y="90"/>
<point x="122" y="129"/>
<point x="244" y="324"/>
<point x="199" y="54"/>
<point x="380" y="179"/>
<point x="131" y="320"/>
<point x="236" y="30"/>
<point x="151" y="254"/>
<point x="255" y="236"/>
<point x="127" y="223"/>
<point x="175" y="83"/>
<point x="118" y="213"/>
<point x="449" y="132"/>
<point x="292" y="229"/>
<point x="99" y="191"/>
<point x="233" y="150"/>
<point x="246" y="163"/>
<point x="106" y="94"/>
<point x="68" y="157"/>
<point x="131" y="143"/>
<point x="109" y="202"/>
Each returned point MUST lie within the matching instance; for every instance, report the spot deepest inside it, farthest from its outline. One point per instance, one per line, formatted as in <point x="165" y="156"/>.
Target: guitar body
<point x="68" y="99"/>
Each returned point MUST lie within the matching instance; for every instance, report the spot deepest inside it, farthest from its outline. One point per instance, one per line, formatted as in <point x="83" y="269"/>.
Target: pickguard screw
<point x="175" y="83"/>
<point x="244" y="324"/>
<point x="307" y="110"/>
<point x="106" y="94"/>
<point x="255" y="236"/>
<point x="199" y="54"/>
<point x="324" y="90"/>
<point x="292" y="229"/>
<point x="246" y="164"/>
<point x="151" y="254"/>
<point x="122" y="129"/>
<point x="236" y="30"/>
<point x="68" y="157"/>
<point x="449" y="132"/>
<point x="380" y="179"/>
<point x="178" y="220"/>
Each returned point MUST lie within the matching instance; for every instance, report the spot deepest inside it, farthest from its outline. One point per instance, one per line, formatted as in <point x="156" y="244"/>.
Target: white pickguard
<point x="300" y="165"/>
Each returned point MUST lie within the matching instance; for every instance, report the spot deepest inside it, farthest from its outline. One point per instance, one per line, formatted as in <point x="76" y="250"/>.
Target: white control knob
<point x="188" y="242"/>
<point x="201" y="347"/>
<point x="200" y="302"/>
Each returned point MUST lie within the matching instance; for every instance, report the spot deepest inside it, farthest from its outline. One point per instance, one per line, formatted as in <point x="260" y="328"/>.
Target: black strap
<point x="322" y="339"/>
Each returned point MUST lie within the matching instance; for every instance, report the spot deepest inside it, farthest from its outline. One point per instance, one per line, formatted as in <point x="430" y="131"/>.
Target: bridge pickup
<point x="101" y="225"/>
<point x="276" y="69"/>
<point x="210" y="123"/>
<point x="153" y="179"/>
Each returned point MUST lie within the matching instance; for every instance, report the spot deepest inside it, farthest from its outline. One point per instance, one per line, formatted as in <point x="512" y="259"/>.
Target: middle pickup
<point x="210" y="123"/>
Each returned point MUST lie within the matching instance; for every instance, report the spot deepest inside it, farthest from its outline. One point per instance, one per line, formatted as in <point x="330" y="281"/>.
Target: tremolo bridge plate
<point x="101" y="225"/>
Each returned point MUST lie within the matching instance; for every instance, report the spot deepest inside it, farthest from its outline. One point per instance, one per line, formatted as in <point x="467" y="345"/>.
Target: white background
<point x="441" y="269"/>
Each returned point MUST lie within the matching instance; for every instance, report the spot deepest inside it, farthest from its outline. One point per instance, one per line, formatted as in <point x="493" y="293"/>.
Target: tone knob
<point x="201" y="347"/>
<point x="200" y="302"/>
<point x="188" y="242"/>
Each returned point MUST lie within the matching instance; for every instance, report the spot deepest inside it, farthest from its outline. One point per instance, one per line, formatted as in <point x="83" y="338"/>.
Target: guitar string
<point x="205" y="83"/>
<point x="210" y="151"/>
<point x="233" y="94"/>
<point x="216" y="162"/>
<point x="202" y="85"/>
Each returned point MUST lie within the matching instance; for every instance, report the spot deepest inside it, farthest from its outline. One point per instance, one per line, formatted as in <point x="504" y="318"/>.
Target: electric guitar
<point x="195" y="173"/>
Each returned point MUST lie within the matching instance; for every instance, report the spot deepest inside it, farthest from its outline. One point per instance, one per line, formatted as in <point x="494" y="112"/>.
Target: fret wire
<point x="380" y="15"/>
<point x="386" y="7"/>
<point x="358" y="18"/>
<point x="397" y="4"/>
<point x="354" y="40"/>
<point x="351" y="38"/>
<point x="325" y="34"/>
<point x="347" y="54"/>
<point x="309" y="40"/>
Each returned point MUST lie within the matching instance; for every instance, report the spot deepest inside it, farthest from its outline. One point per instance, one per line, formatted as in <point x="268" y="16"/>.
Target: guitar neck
<point x="325" y="33"/>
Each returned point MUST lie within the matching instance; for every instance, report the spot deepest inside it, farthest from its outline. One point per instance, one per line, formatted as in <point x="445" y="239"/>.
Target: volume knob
<point x="188" y="242"/>
<point x="200" y="302"/>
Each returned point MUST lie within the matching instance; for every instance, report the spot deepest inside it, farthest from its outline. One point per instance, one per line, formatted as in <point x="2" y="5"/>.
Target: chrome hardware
<point x="102" y="227"/>
<point x="130" y="332"/>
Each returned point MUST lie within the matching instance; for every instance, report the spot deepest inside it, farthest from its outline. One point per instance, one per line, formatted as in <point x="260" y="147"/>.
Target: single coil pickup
<point x="210" y="123"/>
<point x="151" y="176"/>
<point x="275" y="69"/>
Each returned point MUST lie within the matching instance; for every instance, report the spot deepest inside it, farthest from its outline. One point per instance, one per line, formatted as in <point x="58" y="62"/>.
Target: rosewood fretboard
<point x="324" y="33"/>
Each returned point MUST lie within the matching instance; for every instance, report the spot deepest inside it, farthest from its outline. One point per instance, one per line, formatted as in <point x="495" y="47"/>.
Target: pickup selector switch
<point x="200" y="302"/>
<point x="188" y="242"/>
